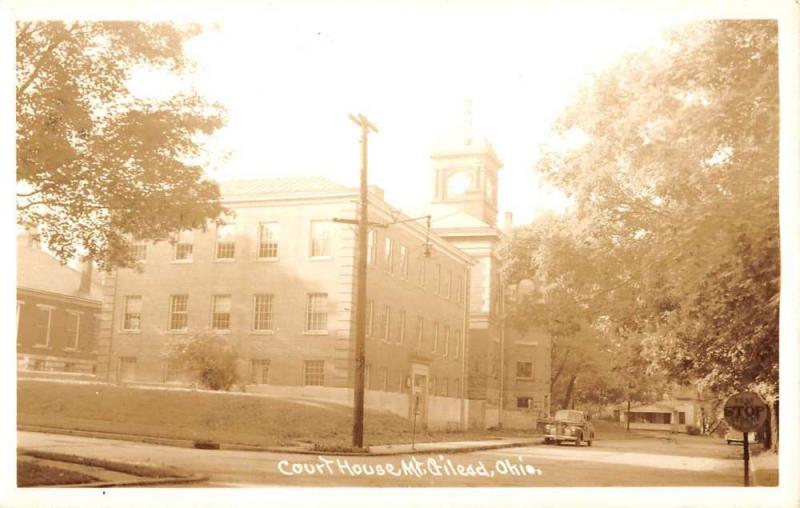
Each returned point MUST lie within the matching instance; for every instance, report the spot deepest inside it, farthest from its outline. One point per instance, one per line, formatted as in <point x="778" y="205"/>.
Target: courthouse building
<point x="278" y="280"/>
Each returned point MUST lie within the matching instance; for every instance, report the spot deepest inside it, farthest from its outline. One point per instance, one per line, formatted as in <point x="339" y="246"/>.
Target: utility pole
<point x="361" y="290"/>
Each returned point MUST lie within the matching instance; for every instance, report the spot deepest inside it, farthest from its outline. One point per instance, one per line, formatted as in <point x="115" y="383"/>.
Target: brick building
<point x="57" y="308"/>
<point x="278" y="279"/>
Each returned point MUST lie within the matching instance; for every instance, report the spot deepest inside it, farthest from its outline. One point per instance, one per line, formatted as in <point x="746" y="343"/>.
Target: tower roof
<point x="463" y="140"/>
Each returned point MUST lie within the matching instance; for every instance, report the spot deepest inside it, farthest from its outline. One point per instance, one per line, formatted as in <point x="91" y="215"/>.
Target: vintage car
<point x="569" y="425"/>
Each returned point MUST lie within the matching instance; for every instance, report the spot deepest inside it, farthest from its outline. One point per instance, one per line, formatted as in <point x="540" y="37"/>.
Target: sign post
<point x="746" y="412"/>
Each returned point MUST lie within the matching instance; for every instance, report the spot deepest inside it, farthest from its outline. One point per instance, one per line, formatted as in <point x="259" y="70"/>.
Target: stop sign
<point x="745" y="412"/>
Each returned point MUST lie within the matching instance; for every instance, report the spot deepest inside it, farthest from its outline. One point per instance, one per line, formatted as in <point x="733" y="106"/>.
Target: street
<point x="631" y="461"/>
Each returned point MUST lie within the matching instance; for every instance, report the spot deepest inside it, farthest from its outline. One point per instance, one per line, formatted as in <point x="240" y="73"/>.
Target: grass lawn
<point x="225" y="417"/>
<point x="30" y="474"/>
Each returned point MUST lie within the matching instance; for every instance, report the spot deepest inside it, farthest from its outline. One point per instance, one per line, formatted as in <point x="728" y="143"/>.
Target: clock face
<point x="458" y="183"/>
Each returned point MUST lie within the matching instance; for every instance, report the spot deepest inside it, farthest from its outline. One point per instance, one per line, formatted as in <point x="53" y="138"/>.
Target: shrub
<point x="208" y="358"/>
<point x="692" y="430"/>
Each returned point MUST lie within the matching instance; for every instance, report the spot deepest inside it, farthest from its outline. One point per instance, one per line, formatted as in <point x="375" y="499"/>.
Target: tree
<point x="591" y="353"/>
<point x="673" y="177"/>
<point x="96" y="165"/>
<point x="209" y="359"/>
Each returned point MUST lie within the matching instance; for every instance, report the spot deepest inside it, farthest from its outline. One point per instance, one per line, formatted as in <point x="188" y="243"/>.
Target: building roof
<point x="40" y="271"/>
<point x="663" y="406"/>
<point x="463" y="140"/>
<point x="285" y="185"/>
<point x="448" y="217"/>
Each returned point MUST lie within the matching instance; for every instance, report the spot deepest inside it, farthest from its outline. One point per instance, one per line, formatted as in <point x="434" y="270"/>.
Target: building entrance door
<point x="419" y="394"/>
<point x="419" y="400"/>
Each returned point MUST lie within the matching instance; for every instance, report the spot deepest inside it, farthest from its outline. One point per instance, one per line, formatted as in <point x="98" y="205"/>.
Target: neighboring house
<point x="681" y="408"/>
<point x="278" y="279"/>
<point x="57" y="310"/>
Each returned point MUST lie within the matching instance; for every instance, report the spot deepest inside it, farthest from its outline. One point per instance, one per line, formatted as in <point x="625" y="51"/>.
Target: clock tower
<point x="465" y="168"/>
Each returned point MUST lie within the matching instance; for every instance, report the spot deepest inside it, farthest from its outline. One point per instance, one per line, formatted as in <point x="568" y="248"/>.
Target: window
<point x="681" y="418"/>
<point x="459" y="289"/>
<point x="73" y="329"/>
<point x="138" y="251"/>
<point x="268" y="240"/>
<point x="435" y="337"/>
<point x="44" y="320"/>
<point x="370" y="315"/>
<point x="432" y="387"/>
<point x="126" y="370"/>
<point x="401" y="334"/>
<point x="385" y="379"/>
<point x="132" y="317"/>
<point x="226" y="241"/>
<point x="262" y="312"/>
<point x="447" y="284"/>
<point x="320" y="239"/>
<point x="184" y="244"/>
<point x="179" y="312"/>
<point x="259" y="372"/>
<point x="437" y="279"/>
<point x="388" y="254"/>
<point x="403" y="262"/>
<point x="372" y="247"/>
<point x="457" y="351"/>
<point x="445" y="387"/>
<point x="524" y="402"/>
<point x="420" y="331"/>
<point x="221" y="312"/>
<point x="387" y="321"/>
<point x="421" y="273"/>
<point x="457" y="388"/>
<point x="367" y="369"/>
<point x="446" y="341"/>
<point x="173" y="372"/>
<point x="314" y="373"/>
<point x="317" y="312"/>
<point x="524" y="370"/>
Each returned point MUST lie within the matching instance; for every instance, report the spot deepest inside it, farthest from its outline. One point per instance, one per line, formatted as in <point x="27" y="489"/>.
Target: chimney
<point x="508" y="223"/>
<point x="31" y="237"/>
<point x="86" y="277"/>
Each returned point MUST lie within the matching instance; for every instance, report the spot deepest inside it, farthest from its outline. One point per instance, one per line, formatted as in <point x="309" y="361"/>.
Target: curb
<point x="114" y="465"/>
<point x="189" y="443"/>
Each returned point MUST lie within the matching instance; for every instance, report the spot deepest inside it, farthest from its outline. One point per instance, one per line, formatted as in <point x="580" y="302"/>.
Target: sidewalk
<point x="450" y="446"/>
<point x="764" y="469"/>
<point x="309" y="449"/>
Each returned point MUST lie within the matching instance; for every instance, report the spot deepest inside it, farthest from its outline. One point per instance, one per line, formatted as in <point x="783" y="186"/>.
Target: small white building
<point x="670" y="415"/>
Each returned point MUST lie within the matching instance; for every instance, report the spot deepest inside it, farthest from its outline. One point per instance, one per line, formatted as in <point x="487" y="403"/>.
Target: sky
<point x="290" y="77"/>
